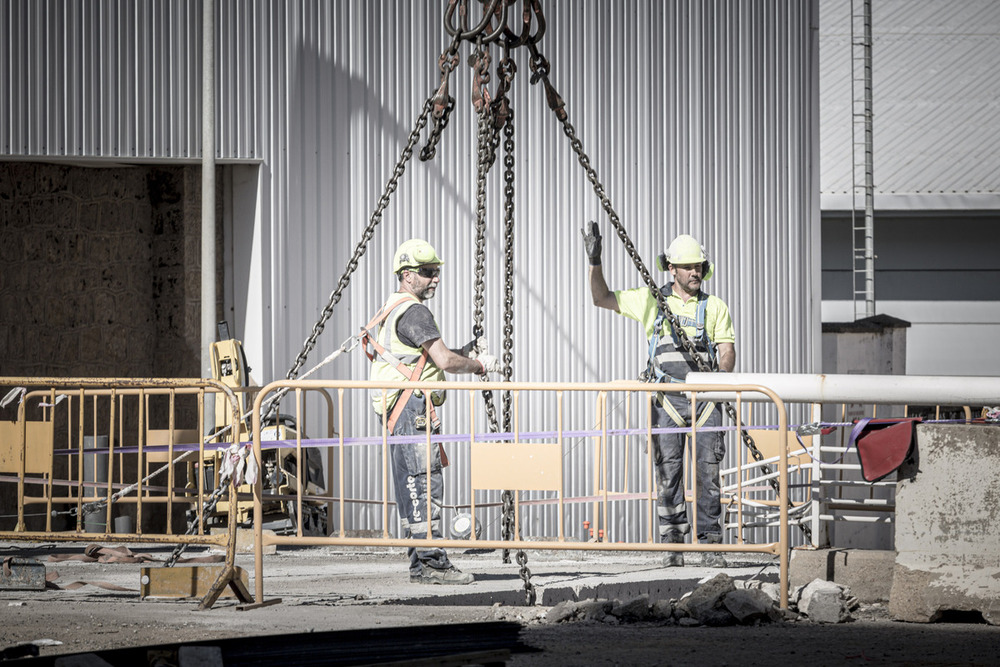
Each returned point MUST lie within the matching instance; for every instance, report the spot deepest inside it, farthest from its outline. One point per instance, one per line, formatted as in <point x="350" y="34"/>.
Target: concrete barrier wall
<point x="947" y="535"/>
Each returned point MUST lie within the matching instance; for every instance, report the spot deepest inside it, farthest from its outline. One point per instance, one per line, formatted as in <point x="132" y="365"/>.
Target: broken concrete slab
<point x="748" y="605"/>
<point x="947" y="536"/>
<point x="636" y="609"/>
<point x="706" y="597"/>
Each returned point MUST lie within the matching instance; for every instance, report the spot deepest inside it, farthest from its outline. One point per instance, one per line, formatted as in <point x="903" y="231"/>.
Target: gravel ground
<point x="325" y="589"/>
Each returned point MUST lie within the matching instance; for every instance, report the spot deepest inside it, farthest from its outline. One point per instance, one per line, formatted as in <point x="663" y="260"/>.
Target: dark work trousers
<point x="409" y="475"/>
<point x="669" y="462"/>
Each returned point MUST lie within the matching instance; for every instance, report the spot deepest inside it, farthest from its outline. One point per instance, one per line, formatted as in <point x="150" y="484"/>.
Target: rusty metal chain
<point x="540" y="72"/>
<point x="484" y="141"/>
<point x="193" y="524"/>
<point x="491" y="116"/>
<point x="359" y="250"/>
<point x="443" y="103"/>
<point x="484" y="31"/>
<point x="508" y="328"/>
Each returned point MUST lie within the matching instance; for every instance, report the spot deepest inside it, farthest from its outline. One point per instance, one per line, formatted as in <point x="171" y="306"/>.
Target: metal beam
<point x="881" y="389"/>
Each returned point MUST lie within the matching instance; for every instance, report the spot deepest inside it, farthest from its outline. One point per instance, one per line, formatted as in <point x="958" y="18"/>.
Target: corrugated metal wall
<point x="699" y="117"/>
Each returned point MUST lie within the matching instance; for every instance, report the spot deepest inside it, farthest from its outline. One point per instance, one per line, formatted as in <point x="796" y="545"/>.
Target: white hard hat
<point x="685" y="249"/>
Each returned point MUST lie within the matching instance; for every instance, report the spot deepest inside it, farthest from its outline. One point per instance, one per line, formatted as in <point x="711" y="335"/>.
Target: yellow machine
<point x="279" y="467"/>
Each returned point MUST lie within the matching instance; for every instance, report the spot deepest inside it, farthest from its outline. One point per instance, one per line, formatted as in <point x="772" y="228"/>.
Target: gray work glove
<point x="490" y="363"/>
<point x="592" y="243"/>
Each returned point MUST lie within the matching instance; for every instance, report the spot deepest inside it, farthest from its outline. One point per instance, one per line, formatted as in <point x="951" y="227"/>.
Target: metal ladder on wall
<point x="862" y="177"/>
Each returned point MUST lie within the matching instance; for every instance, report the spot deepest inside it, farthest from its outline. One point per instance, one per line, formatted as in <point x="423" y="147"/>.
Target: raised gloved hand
<point x="490" y="363"/>
<point x="592" y="243"/>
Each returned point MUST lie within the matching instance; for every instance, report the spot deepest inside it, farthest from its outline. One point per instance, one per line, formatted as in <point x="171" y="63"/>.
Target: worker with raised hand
<point x="404" y="343"/>
<point x="706" y="320"/>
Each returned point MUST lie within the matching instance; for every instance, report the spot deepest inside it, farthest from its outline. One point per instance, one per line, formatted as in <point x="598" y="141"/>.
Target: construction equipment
<point x="279" y="467"/>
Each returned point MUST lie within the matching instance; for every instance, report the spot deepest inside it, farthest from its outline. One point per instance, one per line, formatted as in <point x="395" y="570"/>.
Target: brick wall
<point x="101" y="274"/>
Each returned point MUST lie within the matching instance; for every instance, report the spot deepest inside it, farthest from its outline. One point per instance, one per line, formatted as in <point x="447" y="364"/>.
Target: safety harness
<point x="671" y="355"/>
<point x="372" y="348"/>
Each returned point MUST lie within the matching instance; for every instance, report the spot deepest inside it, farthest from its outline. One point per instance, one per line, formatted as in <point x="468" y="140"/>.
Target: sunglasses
<point x="428" y="272"/>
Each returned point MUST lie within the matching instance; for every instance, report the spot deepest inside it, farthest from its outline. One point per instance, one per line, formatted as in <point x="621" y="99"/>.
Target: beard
<point x="426" y="293"/>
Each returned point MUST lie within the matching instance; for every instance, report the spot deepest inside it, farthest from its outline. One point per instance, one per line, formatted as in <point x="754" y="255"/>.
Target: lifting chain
<point x="540" y="72"/>
<point x="483" y="32"/>
<point x="443" y="103"/>
<point x="492" y="115"/>
<point x="207" y="508"/>
<point x="359" y="250"/>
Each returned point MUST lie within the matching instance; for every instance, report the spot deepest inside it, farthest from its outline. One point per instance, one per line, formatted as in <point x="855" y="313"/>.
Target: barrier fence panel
<point x="108" y="458"/>
<point x="571" y="451"/>
<point x="831" y="497"/>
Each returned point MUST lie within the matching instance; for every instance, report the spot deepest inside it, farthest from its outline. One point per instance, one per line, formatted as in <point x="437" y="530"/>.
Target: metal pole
<point x="208" y="295"/>
<point x="880" y="389"/>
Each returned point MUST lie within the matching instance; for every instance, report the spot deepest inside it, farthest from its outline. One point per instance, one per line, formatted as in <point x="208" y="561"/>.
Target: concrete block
<point x="868" y="573"/>
<point x="825" y="602"/>
<point x="947" y="536"/>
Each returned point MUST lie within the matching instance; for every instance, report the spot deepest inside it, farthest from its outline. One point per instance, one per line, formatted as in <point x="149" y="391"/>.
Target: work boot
<point x="450" y="576"/>
<point x="673" y="558"/>
<point x="713" y="558"/>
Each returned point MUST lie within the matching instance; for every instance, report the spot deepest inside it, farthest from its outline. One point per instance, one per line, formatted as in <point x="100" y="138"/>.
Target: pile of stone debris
<point x="717" y="602"/>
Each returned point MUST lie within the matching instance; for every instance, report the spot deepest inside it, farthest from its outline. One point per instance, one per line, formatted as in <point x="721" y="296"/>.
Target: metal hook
<point x="498" y="7"/>
<point x="531" y="7"/>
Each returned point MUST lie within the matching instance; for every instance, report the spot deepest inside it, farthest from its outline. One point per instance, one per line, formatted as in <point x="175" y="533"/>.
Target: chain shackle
<point x="483" y="31"/>
<point x="443" y="103"/>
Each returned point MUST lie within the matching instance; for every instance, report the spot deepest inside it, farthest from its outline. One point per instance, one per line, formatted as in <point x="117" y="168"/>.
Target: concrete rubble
<point x="825" y="601"/>
<point x="715" y="602"/>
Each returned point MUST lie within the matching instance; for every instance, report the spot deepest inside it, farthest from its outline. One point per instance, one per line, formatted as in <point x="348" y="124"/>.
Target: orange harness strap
<point x="372" y="348"/>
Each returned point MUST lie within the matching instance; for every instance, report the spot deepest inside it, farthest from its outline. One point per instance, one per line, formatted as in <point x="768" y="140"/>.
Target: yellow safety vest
<point x="392" y="359"/>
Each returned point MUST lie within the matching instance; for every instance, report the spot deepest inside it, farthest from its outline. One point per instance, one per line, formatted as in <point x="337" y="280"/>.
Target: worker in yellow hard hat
<point x="706" y="320"/>
<point x="404" y="343"/>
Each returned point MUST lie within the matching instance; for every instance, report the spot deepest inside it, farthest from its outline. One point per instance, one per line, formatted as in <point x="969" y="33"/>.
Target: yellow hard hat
<point x="685" y="249"/>
<point x="414" y="253"/>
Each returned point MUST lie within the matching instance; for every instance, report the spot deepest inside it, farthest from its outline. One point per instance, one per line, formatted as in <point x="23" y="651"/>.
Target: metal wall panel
<point x="698" y="117"/>
<point x="120" y="79"/>
<point x="936" y="139"/>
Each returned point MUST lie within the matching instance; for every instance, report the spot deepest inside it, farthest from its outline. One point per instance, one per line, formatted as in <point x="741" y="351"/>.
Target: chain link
<point x="540" y="71"/>
<point x="193" y="524"/>
<point x="508" y="325"/>
<point x="359" y="250"/>
<point x="443" y="103"/>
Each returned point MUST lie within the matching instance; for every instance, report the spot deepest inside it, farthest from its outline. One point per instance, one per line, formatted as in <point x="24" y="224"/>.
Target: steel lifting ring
<point x="498" y="7"/>
<point x="512" y="40"/>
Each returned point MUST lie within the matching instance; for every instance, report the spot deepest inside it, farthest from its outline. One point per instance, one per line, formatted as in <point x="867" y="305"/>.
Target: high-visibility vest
<point x="668" y="361"/>
<point x="395" y="361"/>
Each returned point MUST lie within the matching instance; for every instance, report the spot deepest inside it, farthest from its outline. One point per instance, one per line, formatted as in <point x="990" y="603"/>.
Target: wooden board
<point x="520" y="467"/>
<point x="184" y="581"/>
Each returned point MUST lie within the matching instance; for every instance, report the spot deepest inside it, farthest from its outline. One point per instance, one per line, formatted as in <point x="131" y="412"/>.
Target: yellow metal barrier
<point x="95" y="409"/>
<point x="520" y="461"/>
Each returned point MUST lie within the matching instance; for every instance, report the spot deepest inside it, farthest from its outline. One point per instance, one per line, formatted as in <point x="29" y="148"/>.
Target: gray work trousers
<point x="669" y="462"/>
<point x="409" y="474"/>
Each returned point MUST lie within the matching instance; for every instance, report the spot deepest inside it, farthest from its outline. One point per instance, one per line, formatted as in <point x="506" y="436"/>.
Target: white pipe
<point x="881" y="389"/>
<point x="207" y="185"/>
<point x="208" y="293"/>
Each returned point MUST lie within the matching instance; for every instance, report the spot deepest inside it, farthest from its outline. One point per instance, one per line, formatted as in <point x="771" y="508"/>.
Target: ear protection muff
<point x="664" y="265"/>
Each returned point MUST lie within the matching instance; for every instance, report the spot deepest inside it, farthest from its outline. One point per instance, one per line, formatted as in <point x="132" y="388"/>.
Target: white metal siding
<point x="699" y="117"/>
